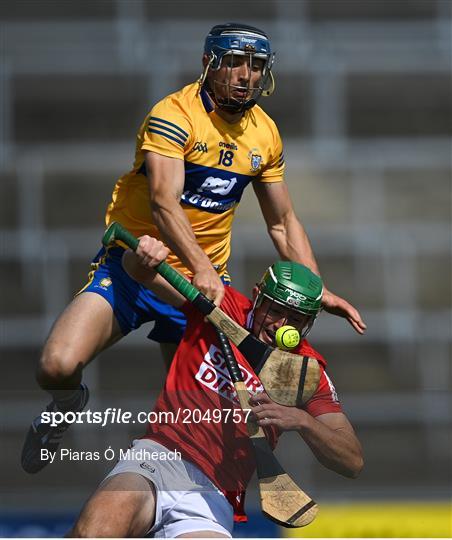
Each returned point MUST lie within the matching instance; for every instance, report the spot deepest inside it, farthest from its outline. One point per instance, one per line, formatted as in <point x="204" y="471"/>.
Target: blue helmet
<point x="231" y="39"/>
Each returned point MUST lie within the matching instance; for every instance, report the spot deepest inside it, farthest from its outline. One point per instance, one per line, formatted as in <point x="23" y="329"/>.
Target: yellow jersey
<point x="220" y="160"/>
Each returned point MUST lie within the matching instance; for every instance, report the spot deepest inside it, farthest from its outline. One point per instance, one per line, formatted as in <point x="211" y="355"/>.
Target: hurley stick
<point x="281" y="499"/>
<point x="289" y="379"/>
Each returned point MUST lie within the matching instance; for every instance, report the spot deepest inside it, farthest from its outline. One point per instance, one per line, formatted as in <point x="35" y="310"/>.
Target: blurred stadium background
<point x="363" y="103"/>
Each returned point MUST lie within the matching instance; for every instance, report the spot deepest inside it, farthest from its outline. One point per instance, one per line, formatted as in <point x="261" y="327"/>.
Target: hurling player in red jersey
<point x="188" y="475"/>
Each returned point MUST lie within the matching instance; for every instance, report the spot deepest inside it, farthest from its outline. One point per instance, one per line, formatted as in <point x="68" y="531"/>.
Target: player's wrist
<point x="305" y="421"/>
<point x="203" y="267"/>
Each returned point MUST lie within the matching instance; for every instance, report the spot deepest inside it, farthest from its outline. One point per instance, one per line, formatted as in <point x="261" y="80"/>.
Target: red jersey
<point x="198" y="387"/>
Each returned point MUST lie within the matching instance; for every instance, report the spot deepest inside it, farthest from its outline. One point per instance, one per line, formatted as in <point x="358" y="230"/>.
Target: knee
<point x="56" y="366"/>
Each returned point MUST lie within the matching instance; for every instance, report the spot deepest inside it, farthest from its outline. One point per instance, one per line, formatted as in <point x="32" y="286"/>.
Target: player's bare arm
<point x="292" y="243"/>
<point x="140" y="265"/>
<point x="166" y="182"/>
<point x="330" y="436"/>
<point x="285" y="230"/>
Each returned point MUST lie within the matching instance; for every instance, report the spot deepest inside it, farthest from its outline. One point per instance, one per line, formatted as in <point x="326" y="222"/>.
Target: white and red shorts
<point x="186" y="500"/>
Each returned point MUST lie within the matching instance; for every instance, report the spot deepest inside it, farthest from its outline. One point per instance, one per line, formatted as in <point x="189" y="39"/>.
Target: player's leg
<point x="96" y="318"/>
<point x="122" y="507"/>
<point x="86" y="327"/>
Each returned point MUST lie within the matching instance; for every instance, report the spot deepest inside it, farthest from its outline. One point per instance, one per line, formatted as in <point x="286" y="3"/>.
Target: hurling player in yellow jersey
<point x="196" y="152"/>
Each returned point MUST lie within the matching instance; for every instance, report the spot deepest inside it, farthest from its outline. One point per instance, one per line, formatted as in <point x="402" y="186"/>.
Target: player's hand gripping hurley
<point x="289" y="379"/>
<point x="281" y="499"/>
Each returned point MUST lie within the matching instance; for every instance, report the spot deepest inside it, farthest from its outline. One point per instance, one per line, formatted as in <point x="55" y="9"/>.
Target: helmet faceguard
<point x="222" y="46"/>
<point x="292" y="286"/>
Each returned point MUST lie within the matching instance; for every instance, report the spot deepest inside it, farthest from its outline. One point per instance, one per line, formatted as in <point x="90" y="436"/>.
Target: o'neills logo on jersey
<point x="214" y="374"/>
<point x="228" y="146"/>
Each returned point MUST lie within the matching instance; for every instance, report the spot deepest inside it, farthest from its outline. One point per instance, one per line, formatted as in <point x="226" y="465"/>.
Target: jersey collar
<point x="206" y="101"/>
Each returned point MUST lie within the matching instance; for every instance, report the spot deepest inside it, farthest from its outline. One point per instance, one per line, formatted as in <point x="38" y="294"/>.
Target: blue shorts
<point x="132" y="303"/>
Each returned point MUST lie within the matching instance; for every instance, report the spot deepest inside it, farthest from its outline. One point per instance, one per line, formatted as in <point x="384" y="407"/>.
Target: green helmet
<point x="293" y="285"/>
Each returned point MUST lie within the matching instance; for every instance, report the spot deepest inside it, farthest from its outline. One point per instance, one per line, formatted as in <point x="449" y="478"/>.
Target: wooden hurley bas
<point x="282" y="500"/>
